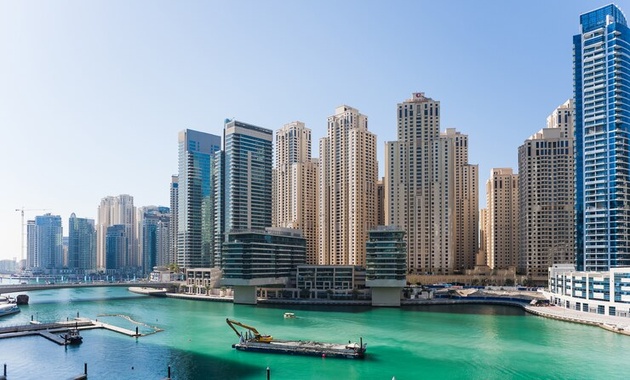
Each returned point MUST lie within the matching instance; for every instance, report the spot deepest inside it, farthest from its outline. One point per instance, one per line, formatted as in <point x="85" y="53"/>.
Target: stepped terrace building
<point x="386" y="265"/>
<point x="254" y="258"/>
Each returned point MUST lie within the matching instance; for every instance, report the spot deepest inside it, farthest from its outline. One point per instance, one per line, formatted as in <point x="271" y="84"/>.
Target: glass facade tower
<point x="243" y="176"/>
<point x="195" y="198"/>
<point x="45" y="250"/>
<point x="81" y="244"/>
<point x="601" y="57"/>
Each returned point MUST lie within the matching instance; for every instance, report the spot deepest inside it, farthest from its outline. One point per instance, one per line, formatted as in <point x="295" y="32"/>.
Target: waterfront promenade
<point x="613" y="323"/>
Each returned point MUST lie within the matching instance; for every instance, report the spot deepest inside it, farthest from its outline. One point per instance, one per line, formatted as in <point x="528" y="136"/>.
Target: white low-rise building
<point x="605" y="293"/>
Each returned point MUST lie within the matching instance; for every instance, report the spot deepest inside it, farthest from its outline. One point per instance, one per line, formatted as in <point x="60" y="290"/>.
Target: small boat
<point x="7" y="299"/>
<point x="8" y="308"/>
<point x="72" y="337"/>
<point x="289" y="315"/>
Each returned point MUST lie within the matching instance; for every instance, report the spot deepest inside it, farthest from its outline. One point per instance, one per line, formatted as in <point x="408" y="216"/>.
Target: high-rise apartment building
<point x="380" y="202"/>
<point x="81" y="245"/>
<point x="153" y="236"/>
<point x="45" y="235"/>
<point x="195" y="210"/>
<point x="295" y="185"/>
<point x="32" y="256"/>
<point x="502" y="219"/>
<point x="601" y="57"/>
<point x="466" y="202"/>
<point x="484" y="227"/>
<point x="243" y="176"/>
<point x="347" y="195"/>
<point x="546" y="201"/>
<point x="116" y="249"/>
<point x="118" y="210"/>
<point x="431" y="191"/>
<point x="174" y="202"/>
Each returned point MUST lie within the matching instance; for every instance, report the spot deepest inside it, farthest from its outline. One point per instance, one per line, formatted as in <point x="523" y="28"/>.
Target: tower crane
<point x="21" y="210"/>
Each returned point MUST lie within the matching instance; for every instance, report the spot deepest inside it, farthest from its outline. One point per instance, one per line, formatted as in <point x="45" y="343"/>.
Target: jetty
<point x="161" y="292"/>
<point x="52" y="331"/>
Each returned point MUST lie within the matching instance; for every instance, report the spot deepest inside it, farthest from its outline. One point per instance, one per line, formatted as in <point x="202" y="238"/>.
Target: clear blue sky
<point x="93" y="93"/>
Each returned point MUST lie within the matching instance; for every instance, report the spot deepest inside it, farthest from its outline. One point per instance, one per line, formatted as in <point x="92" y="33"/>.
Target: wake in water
<point x="128" y="318"/>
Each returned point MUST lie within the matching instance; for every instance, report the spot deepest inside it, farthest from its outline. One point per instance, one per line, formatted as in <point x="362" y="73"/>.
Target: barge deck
<point x="304" y="347"/>
<point x="252" y="340"/>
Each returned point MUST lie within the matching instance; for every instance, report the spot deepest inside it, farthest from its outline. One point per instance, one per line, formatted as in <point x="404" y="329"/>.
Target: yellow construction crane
<point x="257" y="337"/>
<point x="21" y="210"/>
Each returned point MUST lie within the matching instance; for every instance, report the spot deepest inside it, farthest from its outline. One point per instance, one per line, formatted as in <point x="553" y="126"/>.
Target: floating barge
<point x="253" y="341"/>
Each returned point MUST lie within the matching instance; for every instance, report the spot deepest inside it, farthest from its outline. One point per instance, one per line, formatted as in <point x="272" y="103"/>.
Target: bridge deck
<point x="31" y="287"/>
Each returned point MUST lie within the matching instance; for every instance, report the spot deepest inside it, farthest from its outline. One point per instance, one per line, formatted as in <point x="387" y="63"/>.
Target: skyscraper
<point x="172" y="250"/>
<point x="466" y="202"/>
<point x="32" y="255"/>
<point x="153" y="236"/>
<point x="601" y="57"/>
<point x="431" y="191"/>
<point x="347" y="195"/>
<point x="81" y="244"/>
<point x="502" y="219"/>
<point x="116" y="249"/>
<point x="546" y="201"/>
<point x="45" y="234"/>
<point x="295" y="178"/>
<point x="380" y="203"/>
<point x="484" y="229"/>
<point x="243" y="178"/>
<point x="118" y="210"/>
<point x="195" y="203"/>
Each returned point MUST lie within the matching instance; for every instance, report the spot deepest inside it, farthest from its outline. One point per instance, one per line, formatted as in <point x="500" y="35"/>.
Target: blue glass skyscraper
<point x="248" y="167"/>
<point x="601" y="57"/>
<point x="116" y="249"/>
<point x="81" y="244"/>
<point x="45" y="249"/>
<point x="195" y="203"/>
<point x="153" y="236"/>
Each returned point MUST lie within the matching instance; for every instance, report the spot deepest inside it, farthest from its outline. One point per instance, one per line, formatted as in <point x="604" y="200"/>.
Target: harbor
<point x="434" y="340"/>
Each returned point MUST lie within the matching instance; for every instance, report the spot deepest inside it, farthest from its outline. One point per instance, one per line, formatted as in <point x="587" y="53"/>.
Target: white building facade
<point x="594" y="292"/>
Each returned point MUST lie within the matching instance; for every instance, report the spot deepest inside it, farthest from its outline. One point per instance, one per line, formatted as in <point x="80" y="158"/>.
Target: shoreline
<point x="619" y="325"/>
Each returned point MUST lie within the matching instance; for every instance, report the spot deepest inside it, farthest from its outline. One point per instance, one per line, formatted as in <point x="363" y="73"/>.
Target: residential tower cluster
<point x="568" y="202"/>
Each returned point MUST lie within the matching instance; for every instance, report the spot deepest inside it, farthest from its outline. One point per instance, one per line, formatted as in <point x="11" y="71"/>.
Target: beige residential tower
<point x="295" y="185"/>
<point x="347" y="194"/>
